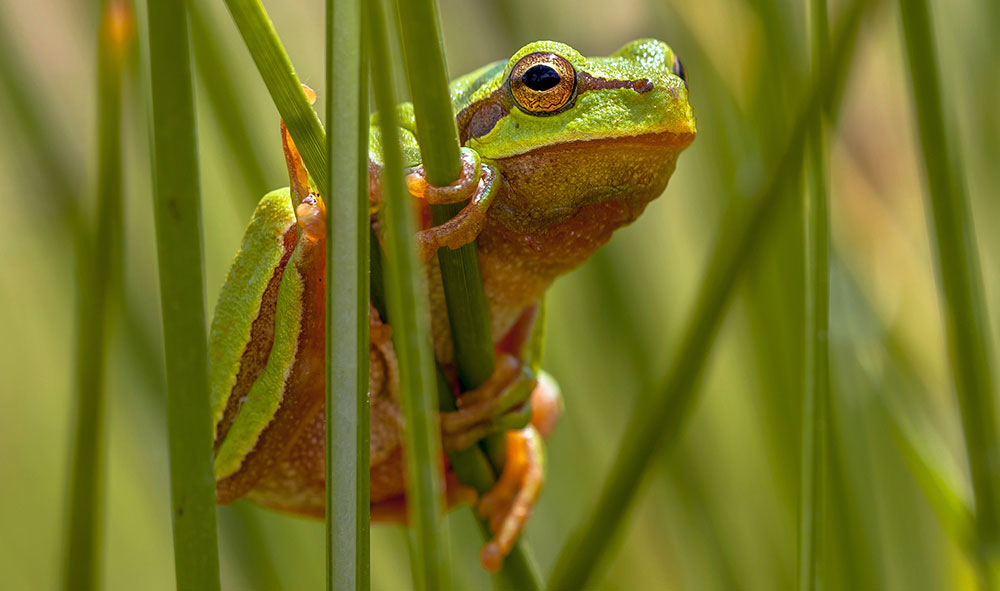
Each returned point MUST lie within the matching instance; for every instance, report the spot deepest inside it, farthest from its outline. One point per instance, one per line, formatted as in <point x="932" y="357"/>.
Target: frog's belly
<point x="503" y="314"/>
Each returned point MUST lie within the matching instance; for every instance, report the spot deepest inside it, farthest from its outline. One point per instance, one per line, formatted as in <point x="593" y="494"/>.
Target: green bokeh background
<point x="720" y="509"/>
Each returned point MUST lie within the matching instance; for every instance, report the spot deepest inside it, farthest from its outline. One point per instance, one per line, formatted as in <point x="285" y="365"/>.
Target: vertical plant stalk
<point x="461" y="277"/>
<point x="407" y="306"/>
<point x="97" y="259"/>
<point x="284" y="86"/>
<point x="177" y="209"/>
<point x="816" y="388"/>
<point x="956" y="256"/>
<point x="659" y="420"/>
<point x="437" y="135"/>
<point x="347" y="470"/>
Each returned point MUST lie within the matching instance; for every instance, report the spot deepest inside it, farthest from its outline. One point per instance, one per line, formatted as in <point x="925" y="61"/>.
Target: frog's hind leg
<point x="509" y="503"/>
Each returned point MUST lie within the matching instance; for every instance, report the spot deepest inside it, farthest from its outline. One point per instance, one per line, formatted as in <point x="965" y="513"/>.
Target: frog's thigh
<point x="385" y="419"/>
<point x="297" y="482"/>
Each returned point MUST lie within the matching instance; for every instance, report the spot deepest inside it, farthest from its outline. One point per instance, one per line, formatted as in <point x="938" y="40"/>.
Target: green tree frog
<point x="559" y="150"/>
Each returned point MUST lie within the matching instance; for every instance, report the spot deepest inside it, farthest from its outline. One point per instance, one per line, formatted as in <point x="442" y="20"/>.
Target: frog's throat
<point x="551" y="184"/>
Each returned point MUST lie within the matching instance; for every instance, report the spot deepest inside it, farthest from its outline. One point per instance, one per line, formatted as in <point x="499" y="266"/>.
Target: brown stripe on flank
<point x="255" y="356"/>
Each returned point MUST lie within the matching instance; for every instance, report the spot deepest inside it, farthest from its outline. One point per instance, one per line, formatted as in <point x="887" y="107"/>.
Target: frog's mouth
<point x="551" y="184"/>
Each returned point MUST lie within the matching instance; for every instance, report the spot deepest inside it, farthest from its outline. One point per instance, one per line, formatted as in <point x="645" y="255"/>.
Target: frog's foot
<point x="508" y="504"/>
<point x="298" y="176"/>
<point x="309" y="208"/>
<point x="477" y="183"/>
<point x="497" y="405"/>
<point x="311" y="215"/>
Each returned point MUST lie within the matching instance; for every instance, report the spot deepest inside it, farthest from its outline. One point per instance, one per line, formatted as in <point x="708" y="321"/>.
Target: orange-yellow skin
<point x="559" y="196"/>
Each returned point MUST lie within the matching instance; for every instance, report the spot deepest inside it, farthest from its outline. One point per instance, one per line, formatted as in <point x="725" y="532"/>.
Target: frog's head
<point x="567" y="131"/>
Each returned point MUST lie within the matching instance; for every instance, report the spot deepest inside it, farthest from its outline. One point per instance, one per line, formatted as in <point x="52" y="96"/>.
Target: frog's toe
<point x="508" y="504"/>
<point x="460" y="190"/>
<point x="497" y="405"/>
<point x="477" y="183"/>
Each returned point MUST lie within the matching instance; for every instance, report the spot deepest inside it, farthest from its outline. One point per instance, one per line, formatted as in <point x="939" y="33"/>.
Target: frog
<point x="558" y="151"/>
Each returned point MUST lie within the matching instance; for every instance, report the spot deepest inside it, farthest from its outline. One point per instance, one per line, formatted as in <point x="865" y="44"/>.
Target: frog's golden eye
<point x="543" y="83"/>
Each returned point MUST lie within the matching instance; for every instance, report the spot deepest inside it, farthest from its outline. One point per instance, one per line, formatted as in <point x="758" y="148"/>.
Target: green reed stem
<point x="461" y="277"/>
<point x="471" y="465"/>
<point x="284" y="86"/>
<point x="347" y="469"/>
<point x="437" y="135"/>
<point x="97" y="262"/>
<point x="182" y="294"/>
<point x="659" y="419"/>
<point x="407" y="306"/>
<point x="953" y="237"/>
<point x="816" y="389"/>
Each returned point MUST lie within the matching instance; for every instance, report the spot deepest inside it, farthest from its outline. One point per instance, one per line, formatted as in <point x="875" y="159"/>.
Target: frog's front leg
<point x="478" y="184"/>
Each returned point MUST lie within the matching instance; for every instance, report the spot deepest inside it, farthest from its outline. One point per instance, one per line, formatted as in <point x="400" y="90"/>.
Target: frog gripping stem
<point x="508" y="504"/>
<point x="477" y="183"/>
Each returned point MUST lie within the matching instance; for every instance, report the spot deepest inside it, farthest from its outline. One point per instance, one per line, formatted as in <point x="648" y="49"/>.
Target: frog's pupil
<point x="541" y="77"/>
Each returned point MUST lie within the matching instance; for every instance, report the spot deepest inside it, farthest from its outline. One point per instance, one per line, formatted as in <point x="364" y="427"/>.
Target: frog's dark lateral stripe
<point x="585" y="82"/>
<point x="258" y="349"/>
<point x="479" y="118"/>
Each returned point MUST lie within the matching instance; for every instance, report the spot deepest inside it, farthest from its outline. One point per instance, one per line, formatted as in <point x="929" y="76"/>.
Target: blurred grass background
<point x="720" y="512"/>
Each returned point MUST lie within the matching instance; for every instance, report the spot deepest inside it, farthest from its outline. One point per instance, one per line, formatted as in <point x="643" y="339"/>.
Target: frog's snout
<point x="655" y="58"/>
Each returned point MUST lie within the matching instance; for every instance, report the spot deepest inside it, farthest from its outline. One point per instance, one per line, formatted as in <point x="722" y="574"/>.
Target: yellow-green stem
<point x="97" y="262"/>
<point x="407" y="306"/>
<point x="182" y="296"/>
<point x="816" y="385"/>
<point x="953" y="237"/>
<point x="468" y="316"/>
<point x="347" y="469"/>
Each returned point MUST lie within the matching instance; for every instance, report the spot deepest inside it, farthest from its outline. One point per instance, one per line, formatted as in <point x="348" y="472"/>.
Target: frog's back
<point x="263" y="246"/>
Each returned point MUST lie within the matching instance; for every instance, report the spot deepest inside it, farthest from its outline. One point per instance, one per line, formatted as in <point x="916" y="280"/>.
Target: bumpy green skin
<point x="605" y="114"/>
<point x="407" y="137"/>
<point x="239" y="304"/>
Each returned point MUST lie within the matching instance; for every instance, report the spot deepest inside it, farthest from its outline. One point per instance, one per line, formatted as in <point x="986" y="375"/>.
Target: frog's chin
<point x="552" y="184"/>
